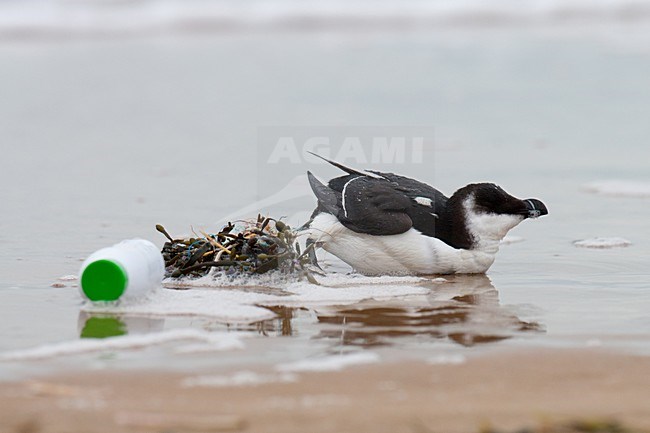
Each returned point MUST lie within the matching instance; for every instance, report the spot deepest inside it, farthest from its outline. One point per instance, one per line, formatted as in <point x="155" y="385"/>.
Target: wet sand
<point x="504" y="391"/>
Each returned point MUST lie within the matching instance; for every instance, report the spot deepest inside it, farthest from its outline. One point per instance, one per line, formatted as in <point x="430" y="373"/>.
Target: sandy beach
<point x="506" y="392"/>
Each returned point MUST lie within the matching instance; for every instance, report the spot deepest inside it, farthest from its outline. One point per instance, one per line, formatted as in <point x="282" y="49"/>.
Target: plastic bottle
<point x="130" y="269"/>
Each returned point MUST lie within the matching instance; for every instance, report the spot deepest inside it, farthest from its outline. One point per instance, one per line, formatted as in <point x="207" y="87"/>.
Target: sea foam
<point x="218" y="340"/>
<point x="619" y="188"/>
<point x="136" y="17"/>
<point x="240" y="378"/>
<point x="226" y="306"/>
<point x="241" y="301"/>
<point x="331" y="363"/>
<point x="613" y="242"/>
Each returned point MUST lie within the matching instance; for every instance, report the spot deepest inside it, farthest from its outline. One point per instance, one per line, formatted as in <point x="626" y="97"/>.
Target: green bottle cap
<point x="104" y="280"/>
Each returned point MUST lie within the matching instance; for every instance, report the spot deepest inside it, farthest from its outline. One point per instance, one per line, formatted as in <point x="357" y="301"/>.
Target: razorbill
<point x="383" y="223"/>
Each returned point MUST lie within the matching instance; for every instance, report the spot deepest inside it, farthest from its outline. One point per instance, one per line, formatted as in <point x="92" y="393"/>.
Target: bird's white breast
<point x="406" y="253"/>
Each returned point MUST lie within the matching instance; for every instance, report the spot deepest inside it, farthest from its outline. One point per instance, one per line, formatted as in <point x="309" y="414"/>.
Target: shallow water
<point x="104" y="138"/>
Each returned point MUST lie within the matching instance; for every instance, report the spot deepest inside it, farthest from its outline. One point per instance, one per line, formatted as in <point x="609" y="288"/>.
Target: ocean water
<point x="104" y="137"/>
<point x="38" y="18"/>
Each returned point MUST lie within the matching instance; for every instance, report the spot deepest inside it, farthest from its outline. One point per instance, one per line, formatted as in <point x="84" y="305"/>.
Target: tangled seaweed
<point x="249" y="247"/>
<point x="579" y="426"/>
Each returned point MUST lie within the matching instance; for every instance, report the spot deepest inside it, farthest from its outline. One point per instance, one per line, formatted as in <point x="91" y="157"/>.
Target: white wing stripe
<point x="345" y="211"/>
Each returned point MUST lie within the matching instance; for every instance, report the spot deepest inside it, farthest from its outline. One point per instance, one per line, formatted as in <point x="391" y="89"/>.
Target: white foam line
<point x="220" y="341"/>
<point x="334" y="279"/>
<point x="241" y="378"/>
<point x="217" y="279"/>
<point x="280" y="281"/>
<point x="226" y="306"/>
<point x="66" y="16"/>
<point x="230" y="305"/>
<point x="447" y="359"/>
<point x="613" y="242"/>
<point x="620" y="188"/>
<point x="246" y="305"/>
<point x="309" y="295"/>
<point x="331" y="363"/>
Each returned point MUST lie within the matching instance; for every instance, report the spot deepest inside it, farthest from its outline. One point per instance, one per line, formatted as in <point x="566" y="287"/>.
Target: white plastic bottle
<point x="127" y="270"/>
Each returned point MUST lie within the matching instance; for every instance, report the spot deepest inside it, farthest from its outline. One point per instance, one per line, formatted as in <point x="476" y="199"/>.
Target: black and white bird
<point x="383" y="223"/>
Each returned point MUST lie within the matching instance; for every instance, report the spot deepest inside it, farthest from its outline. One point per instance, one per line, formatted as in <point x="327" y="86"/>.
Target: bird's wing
<point x="379" y="203"/>
<point x="374" y="206"/>
<point x="428" y="204"/>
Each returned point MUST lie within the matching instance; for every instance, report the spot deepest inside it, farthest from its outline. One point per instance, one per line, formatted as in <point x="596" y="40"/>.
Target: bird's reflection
<point x="464" y="310"/>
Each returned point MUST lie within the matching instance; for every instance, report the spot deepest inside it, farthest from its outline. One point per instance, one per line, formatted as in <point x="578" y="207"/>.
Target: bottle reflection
<point x="114" y="325"/>
<point x="465" y="310"/>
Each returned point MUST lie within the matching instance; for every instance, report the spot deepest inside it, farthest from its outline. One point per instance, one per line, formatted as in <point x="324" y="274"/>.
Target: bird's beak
<point x="534" y="208"/>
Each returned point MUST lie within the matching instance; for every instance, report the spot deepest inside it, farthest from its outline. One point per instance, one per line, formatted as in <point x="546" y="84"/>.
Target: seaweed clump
<point x="580" y="426"/>
<point x="248" y="247"/>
